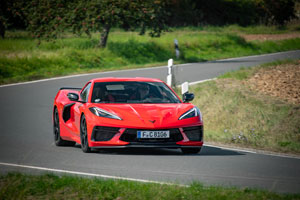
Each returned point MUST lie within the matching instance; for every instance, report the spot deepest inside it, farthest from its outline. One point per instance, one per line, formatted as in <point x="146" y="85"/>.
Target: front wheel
<point x="84" y="136"/>
<point x="190" y="150"/>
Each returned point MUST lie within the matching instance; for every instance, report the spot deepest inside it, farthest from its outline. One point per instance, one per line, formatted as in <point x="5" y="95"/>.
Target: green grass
<point x="255" y="29"/>
<point x="236" y="115"/>
<point x="49" y="186"/>
<point x="21" y="59"/>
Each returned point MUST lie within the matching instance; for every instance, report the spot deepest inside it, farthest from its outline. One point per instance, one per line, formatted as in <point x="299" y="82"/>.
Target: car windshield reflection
<point x="133" y="92"/>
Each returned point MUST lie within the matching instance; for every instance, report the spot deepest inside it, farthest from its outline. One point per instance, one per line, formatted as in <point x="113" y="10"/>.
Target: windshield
<point x="133" y="92"/>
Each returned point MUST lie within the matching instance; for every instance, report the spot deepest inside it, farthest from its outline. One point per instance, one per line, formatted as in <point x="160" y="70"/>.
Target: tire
<point x="190" y="150"/>
<point x="56" y="131"/>
<point x="84" y="136"/>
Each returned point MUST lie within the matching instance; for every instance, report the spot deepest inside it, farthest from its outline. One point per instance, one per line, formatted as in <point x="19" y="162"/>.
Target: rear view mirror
<point x="187" y="97"/>
<point x="73" y="96"/>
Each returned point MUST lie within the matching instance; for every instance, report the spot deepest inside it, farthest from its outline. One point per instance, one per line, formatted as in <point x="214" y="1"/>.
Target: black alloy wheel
<point x="56" y="130"/>
<point x="84" y="136"/>
<point x="190" y="150"/>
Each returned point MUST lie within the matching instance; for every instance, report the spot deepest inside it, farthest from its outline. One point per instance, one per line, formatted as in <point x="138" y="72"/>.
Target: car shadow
<point x="206" y="151"/>
<point x="216" y="151"/>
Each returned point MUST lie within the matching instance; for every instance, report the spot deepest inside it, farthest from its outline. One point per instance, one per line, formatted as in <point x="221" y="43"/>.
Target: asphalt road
<point x="26" y="138"/>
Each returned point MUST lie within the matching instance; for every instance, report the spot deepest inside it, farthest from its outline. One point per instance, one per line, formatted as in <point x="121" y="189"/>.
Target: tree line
<point x="51" y="18"/>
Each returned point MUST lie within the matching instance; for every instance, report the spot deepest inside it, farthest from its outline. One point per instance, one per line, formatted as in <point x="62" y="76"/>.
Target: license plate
<point x="153" y="134"/>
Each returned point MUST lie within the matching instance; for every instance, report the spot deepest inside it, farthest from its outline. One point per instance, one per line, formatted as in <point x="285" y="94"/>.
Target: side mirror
<point x="187" y="97"/>
<point x="73" y="96"/>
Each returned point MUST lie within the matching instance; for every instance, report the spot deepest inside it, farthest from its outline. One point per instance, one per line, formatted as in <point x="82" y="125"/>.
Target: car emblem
<point x="152" y="121"/>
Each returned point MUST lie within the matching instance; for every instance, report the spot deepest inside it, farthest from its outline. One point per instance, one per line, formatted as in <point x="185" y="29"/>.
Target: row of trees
<point x="242" y="12"/>
<point x="51" y="18"/>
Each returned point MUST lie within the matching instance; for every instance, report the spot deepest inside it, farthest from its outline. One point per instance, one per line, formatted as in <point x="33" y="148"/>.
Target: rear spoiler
<point x="69" y="88"/>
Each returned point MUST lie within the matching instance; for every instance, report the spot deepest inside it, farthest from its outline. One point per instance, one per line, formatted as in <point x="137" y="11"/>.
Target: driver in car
<point x="142" y="93"/>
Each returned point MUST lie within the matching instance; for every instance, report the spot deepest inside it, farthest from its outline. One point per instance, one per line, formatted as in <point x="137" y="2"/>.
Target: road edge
<point x="139" y="69"/>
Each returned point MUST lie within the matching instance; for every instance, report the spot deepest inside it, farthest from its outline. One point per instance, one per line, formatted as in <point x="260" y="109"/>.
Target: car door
<point x="78" y="107"/>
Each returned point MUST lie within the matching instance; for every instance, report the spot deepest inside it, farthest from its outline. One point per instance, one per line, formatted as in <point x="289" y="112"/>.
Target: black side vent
<point x="103" y="133"/>
<point x="67" y="112"/>
<point x="194" y="133"/>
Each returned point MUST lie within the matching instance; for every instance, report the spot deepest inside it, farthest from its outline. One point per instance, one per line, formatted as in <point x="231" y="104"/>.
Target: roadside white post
<point x="169" y="77"/>
<point x="177" y="52"/>
<point x="184" y="87"/>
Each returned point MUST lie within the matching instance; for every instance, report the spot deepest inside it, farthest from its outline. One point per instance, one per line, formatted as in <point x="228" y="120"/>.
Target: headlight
<point x="103" y="113"/>
<point x="194" y="112"/>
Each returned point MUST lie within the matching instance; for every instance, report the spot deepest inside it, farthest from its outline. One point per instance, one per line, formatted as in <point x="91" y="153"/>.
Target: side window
<point x="85" y="93"/>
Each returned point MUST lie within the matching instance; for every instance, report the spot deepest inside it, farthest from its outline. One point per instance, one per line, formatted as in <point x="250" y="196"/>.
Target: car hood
<point x="146" y="115"/>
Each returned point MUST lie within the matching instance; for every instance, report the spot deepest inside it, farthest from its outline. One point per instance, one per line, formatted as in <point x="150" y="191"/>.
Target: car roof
<point x="126" y="79"/>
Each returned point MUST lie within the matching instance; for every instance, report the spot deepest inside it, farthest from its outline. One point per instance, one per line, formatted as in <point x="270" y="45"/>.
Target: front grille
<point x="130" y="135"/>
<point x="103" y="133"/>
<point x="194" y="133"/>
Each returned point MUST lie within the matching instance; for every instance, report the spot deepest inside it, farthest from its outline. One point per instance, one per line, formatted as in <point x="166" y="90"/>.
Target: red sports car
<point x="126" y="112"/>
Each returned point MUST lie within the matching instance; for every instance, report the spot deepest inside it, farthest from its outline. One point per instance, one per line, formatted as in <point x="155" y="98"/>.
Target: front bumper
<point x="112" y="137"/>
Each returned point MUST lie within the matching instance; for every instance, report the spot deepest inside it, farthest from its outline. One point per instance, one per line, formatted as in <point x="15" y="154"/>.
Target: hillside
<point x="254" y="107"/>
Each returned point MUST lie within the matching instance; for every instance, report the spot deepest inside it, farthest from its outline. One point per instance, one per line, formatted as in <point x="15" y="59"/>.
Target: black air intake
<point x="103" y="133"/>
<point x="194" y="133"/>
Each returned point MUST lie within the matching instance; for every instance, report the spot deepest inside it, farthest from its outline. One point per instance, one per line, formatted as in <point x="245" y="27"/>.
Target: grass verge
<point x="22" y="60"/>
<point x="238" y="115"/>
<point x="49" y="186"/>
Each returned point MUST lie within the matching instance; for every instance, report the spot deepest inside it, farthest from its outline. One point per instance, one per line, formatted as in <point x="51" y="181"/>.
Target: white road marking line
<point x="88" y="174"/>
<point x="202" y="81"/>
<point x="133" y="179"/>
<point x="254" y="152"/>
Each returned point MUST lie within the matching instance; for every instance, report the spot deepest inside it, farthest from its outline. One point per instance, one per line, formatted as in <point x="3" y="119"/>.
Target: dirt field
<point x="262" y="37"/>
<point x="282" y="81"/>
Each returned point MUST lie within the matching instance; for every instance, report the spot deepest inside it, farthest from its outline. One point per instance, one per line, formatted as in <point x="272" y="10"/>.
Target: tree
<point x="276" y="11"/>
<point x="11" y="15"/>
<point x="50" y="18"/>
<point x="3" y="22"/>
<point x="5" y="14"/>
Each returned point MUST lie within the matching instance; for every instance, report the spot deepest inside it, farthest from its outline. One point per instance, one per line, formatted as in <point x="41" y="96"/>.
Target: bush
<point x="223" y="12"/>
<point x="276" y="11"/>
